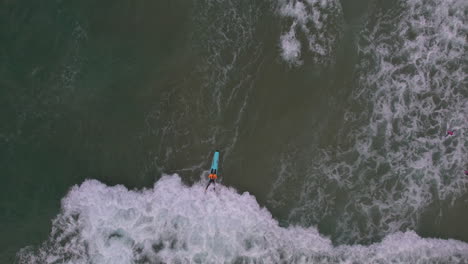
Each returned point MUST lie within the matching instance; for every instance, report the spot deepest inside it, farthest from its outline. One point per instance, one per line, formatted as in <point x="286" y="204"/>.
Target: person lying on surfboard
<point x="450" y="132"/>
<point x="212" y="177"/>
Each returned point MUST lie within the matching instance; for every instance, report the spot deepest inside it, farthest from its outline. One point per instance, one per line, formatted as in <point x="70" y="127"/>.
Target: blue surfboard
<point x="214" y="163"/>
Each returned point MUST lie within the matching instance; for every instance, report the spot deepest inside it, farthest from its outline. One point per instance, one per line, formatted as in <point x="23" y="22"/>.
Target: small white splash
<point x="291" y="47"/>
<point x="318" y="21"/>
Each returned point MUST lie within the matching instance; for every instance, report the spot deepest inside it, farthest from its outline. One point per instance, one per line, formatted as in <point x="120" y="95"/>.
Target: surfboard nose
<point x="214" y="163"/>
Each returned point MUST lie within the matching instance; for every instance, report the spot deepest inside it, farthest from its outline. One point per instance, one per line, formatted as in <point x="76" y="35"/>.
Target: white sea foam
<point x="414" y="93"/>
<point x="291" y="47"/>
<point x="396" y="160"/>
<point x="174" y="223"/>
<point x="318" y="21"/>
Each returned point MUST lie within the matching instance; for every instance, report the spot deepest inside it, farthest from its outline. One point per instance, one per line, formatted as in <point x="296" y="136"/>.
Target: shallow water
<point x="331" y="115"/>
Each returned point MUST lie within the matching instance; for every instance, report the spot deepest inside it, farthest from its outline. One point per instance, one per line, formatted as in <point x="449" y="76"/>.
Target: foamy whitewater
<point x="175" y="223"/>
<point x="410" y="89"/>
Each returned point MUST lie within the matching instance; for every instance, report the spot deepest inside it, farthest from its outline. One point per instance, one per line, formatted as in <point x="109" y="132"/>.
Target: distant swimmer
<point x="466" y="172"/>
<point x="212" y="177"/>
<point x="214" y="169"/>
<point x="450" y="132"/>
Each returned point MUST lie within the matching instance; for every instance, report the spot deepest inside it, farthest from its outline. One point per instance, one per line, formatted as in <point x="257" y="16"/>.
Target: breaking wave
<point x="175" y="223"/>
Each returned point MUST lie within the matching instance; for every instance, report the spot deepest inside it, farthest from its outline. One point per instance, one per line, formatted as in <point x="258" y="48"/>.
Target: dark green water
<point x="347" y="137"/>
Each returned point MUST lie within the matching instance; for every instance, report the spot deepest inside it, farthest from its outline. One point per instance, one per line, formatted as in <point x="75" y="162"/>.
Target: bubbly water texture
<point x="226" y="34"/>
<point x="395" y="159"/>
<point x="215" y="93"/>
<point x="317" y="21"/>
<point x="174" y="223"/>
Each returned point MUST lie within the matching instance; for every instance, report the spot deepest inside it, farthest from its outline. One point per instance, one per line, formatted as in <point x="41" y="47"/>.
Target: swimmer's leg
<point x="208" y="185"/>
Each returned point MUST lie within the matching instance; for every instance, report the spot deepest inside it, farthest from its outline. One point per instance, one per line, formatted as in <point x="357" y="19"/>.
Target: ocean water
<point x="330" y="117"/>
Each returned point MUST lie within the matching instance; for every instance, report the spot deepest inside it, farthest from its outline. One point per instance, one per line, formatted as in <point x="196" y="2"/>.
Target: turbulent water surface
<point x="330" y="117"/>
